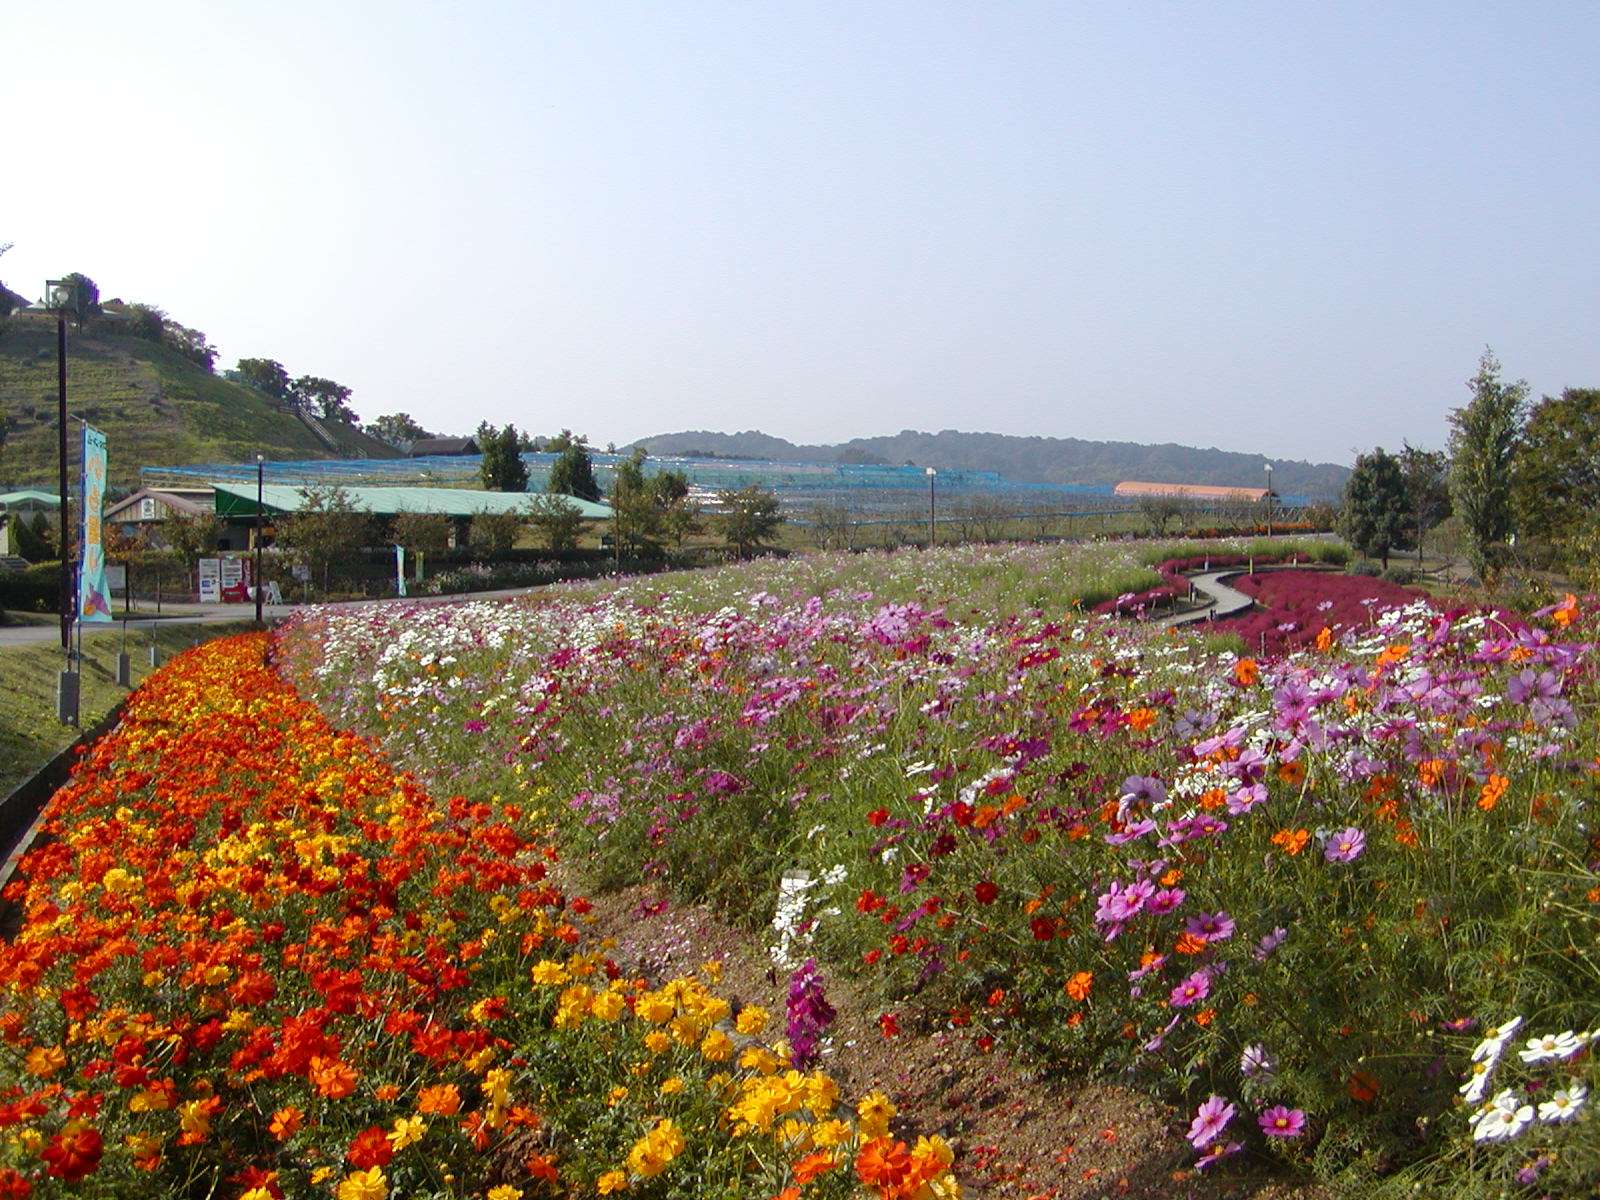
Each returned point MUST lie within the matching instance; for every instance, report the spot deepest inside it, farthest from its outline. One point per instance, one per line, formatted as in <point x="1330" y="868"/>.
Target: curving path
<point x="1225" y="601"/>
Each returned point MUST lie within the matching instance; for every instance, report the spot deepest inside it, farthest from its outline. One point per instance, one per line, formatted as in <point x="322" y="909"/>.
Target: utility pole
<point x="931" y="474"/>
<point x="260" y="477"/>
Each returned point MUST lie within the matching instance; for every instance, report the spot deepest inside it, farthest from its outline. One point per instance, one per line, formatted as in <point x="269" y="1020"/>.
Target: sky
<point x="1280" y="228"/>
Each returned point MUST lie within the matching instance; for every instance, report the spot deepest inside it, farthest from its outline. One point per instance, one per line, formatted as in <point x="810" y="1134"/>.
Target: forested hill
<point x="156" y="407"/>
<point x="1025" y="459"/>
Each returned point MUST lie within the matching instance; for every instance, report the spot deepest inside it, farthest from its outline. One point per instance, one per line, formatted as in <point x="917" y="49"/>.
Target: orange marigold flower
<point x="286" y="1122"/>
<point x="441" y="1100"/>
<point x="1291" y="841"/>
<point x="883" y="1164"/>
<point x="1078" y="986"/>
<point x="1492" y="790"/>
<point x="1246" y="672"/>
<point x="1324" y="641"/>
<point x="1566" y="612"/>
<point x="818" y="1162"/>
<point x="333" y="1077"/>
<point x="1431" y="771"/>
<point x="1363" y="1087"/>
<point x="1189" y="943"/>
<point x="1394" y="653"/>
<point x="1142" y="718"/>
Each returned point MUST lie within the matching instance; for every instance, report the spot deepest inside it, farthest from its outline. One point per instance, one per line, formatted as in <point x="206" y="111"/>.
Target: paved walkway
<point x="1225" y="601"/>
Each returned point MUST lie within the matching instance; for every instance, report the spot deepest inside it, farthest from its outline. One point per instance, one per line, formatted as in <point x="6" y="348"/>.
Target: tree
<point x="329" y="400"/>
<point x="557" y="519"/>
<point x="1427" y="480"/>
<point x="1159" y="510"/>
<point x="636" y="517"/>
<point x="327" y="527"/>
<point x="265" y="375"/>
<point x="1373" y="519"/>
<point x="83" y="298"/>
<point x="749" y="516"/>
<point x="190" y="343"/>
<point x="429" y="532"/>
<point x="502" y="468"/>
<point x="398" y="429"/>
<point x="572" y="474"/>
<point x="495" y="532"/>
<point x="831" y="526"/>
<point x="1483" y="444"/>
<point x="1556" y="476"/>
<point x="193" y="538"/>
<point x="145" y="321"/>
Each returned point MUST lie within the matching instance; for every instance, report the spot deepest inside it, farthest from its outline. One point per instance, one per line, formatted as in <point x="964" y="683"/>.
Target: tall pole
<point x="1269" y="499"/>
<point x="931" y="474"/>
<point x="260" y="476"/>
<point x="66" y="604"/>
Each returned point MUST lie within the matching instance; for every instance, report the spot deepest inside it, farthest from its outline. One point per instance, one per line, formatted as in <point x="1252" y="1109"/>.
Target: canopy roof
<point x="27" y="496"/>
<point x="235" y="500"/>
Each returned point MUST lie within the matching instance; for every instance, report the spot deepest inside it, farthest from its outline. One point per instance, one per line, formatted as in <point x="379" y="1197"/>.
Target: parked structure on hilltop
<point x="452" y="446"/>
<point x="1133" y="490"/>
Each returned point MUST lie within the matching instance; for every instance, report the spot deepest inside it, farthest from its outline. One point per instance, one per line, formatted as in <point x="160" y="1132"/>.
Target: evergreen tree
<point x="1373" y="519"/>
<point x="1427" y="476"/>
<point x="572" y="474"/>
<point x="1483" y="444"/>
<point x="749" y="516"/>
<point x="503" y="469"/>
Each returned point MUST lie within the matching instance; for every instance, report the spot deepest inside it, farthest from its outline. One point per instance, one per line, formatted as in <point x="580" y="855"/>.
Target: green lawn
<point x="29" y="731"/>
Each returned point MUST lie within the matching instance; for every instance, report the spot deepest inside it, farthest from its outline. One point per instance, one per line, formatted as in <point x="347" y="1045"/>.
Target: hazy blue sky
<point x="1282" y="228"/>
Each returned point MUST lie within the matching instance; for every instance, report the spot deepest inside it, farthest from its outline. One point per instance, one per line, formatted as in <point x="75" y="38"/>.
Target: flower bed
<point x="253" y="961"/>
<point x="1295" y="607"/>
<point x="1291" y="885"/>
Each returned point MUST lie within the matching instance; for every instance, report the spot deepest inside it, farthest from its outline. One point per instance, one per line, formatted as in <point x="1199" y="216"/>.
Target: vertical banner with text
<point x="400" y="569"/>
<point x="94" y="595"/>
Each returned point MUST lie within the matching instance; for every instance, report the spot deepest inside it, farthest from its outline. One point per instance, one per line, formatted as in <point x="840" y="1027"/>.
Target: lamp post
<point x="931" y="474"/>
<point x="260" y="476"/>
<point x="1269" y="498"/>
<point x="59" y="294"/>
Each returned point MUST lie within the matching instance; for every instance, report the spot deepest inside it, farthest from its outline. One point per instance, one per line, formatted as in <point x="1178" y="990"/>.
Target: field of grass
<point x="29" y="732"/>
<point x="156" y="408"/>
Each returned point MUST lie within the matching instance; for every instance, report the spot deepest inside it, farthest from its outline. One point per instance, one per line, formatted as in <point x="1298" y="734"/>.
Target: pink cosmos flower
<point x="1196" y="987"/>
<point x="1210" y="1119"/>
<point x="1281" y="1122"/>
<point x="1345" y="846"/>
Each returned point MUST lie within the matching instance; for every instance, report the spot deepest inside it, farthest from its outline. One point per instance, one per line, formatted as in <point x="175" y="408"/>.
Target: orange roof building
<point x="1190" y="491"/>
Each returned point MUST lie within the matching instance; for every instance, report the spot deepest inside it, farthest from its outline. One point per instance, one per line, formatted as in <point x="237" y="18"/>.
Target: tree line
<point x="1520" y="480"/>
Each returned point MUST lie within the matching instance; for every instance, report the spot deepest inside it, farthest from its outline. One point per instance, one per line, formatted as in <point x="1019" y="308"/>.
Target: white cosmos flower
<point x="1494" y="1039"/>
<point x="1563" y="1105"/>
<point x="1551" y="1045"/>
<point x="1477" y="1080"/>
<point x="1503" y="1119"/>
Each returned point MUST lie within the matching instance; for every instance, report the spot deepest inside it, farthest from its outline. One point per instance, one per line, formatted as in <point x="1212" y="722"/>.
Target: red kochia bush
<point x="1292" y="598"/>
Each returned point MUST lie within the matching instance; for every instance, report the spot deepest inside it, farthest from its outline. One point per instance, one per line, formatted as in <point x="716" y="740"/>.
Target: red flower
<point x="889" y="1024"/>
<point x="986" y="892"/>
<point x="74" y="1153"/>
<point x="877" y="817"/>
<point x="371" y="1148"/>
<point x="1044" y="928"/>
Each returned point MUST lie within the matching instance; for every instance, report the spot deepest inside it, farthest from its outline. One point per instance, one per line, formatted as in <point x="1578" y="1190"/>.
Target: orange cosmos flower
<point x="1431" y="771"/>
<point x="1246" y="672"/>
<point x="286" y="1122"/>
<point x="442" y="1100"/>
<point x="1492" y="790"/>
<point x="333" y="1078"/>
<point x="1291" y="841"/>
<point x="1078" y="986"/>
<point x="819" y="1162"/>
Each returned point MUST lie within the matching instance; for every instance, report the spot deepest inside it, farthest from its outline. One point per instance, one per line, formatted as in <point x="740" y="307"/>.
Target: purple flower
<point x="1281" y="1122"/>
<point x="1143" y="789"/>
<point x="1210" y="1119"/>
<point x="1165" y="900"/>
<point x="1256" y="1061"/>
<point x="1210" y="927"/>
<point x="1246" y="798"/>
<point x="1120" y="902"/>
<point x="1345" y="846"/>
<point x="809" y="1014"/>
<point x="1215" y="1154"/>
<point x="1270" y="942"/>
<point x="1196" y="987"/>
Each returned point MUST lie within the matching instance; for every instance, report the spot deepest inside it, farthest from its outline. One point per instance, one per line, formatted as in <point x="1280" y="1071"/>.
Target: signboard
<point x="117" y="578"/>
<point x="301" y="572"/>
<point x="232" y="572"/>
<point x="94" y="595"/>
<point x="210" y="580"/>
<point x="400" y="570"/>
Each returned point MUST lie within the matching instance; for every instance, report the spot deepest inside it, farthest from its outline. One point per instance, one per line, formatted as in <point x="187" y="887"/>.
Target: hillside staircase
<point x="311" y="422"/>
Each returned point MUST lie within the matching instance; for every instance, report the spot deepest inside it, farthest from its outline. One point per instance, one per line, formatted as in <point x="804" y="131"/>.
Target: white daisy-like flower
<point x="1503" y="1119"/>
<point x="1563" y="1105"/>
<point x="1494" y="1039"/>
<point x="1551" y="1045"/>
<point x="1477" y="1080"/>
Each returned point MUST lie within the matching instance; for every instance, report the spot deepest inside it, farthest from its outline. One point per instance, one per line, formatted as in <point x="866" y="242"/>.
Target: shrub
<point x="1365" y="566"/>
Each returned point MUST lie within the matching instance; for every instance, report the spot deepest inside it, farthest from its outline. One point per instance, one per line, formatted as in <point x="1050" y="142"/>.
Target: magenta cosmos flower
<point x="1346" y="845"/>
<point x="1210" y="1119"/>
<point x="1281" y="1122"/>
<point x="1196" y="987"/>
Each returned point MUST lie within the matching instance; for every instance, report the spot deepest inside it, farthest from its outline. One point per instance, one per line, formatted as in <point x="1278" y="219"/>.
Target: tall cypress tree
<point x="1483" y="444"/>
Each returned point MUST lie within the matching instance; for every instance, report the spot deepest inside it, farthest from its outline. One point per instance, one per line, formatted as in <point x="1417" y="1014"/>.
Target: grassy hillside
<point x="156" y="407"/>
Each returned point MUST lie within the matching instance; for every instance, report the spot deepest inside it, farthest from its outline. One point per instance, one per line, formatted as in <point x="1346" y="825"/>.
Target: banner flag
<point x="94" y="594"/>
<point x="400" y="568"/>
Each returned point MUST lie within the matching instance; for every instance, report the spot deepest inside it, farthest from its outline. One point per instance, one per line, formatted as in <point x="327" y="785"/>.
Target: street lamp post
<point x="1269" y="498"/>
<point x="260" y="476"/>
<point x="931" y="474"/>
<point x="60" y="294"/>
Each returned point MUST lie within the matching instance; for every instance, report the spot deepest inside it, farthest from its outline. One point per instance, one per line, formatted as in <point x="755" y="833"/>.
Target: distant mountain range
<point x="1024" y="459"/>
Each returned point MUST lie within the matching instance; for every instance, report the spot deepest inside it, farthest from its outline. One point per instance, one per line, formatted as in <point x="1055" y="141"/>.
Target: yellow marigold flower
<point x="504" y="1192"/>
<point x="794" y="1133"/>
<point x="497" y="1088"/>
<point x="716" y="1047"/>
<point x="371" y="1184"/>
<point x="752" y="1020"/>
<point x="195" y="1116"/>
<point x="651" y="1153"/>
<point x="149" y="1100"/>
<point x="257" y="1193"/>
<point x="822" y="1093"/>
<point x="407" y="1131"/>
<point x="759" y="1059"/>
<point x="550" y="973"/>
<point x="617" y="1096"/>
<point x="607" y="1006"/>
<point x="480" y="1061"/>
<point x="655" y="1007"/>
<point x="874" y="1112"/>
<point x="655" y="1041"/>
<point x="829" y="1134"/>
<point x="934" y="1148"/>
<point x="117" y="880"/>
<point x="45" y="1061"/>
<point x="686" y="1029"/>
<point x="611" y="1181"/>
<point x="671" y="1087"/>
<point x="142" y="1145"/>
<point x="712" y="970"/>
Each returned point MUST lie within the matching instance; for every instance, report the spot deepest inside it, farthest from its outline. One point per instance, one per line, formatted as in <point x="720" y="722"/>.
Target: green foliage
<point x="495" y="532"/>
<point x="83" y="302"/>
<point x="192" y="538"/>
<point x="557" y="520"/>
<point x="1373" y="518"/>
<point x="1483" y="444"/>
<point x="266" y="375"/>
<point x="572" y="474"/>
<point x="1427" y="479"/>
<point x="421" y="531"/>
<point x="502" y="468"/>
<point x="31" y="539"/>
<point x="749" y="517"/>
<point x="1556" y="478"/>
<point x="327" y="526"/>
<point x="398" y="429"/>
<point x="636" y="521"/>
<point x="329" y="400"/>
